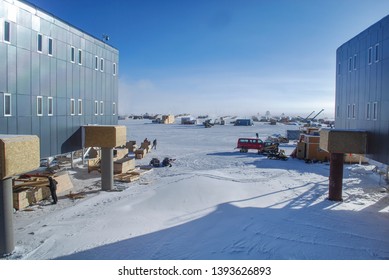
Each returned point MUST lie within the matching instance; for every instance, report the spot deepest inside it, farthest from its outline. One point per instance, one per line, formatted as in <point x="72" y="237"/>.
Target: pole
<point x="6" y="217"/>
<point x="106" y="169"/>
<point x="336" y="177"/>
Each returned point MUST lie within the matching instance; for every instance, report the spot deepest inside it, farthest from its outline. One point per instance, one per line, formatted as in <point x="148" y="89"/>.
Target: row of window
<point x="98" y="106"/>
<point x="98" y="64"/>
<point x="352" y="61"/>
<point x="371" y="111"/>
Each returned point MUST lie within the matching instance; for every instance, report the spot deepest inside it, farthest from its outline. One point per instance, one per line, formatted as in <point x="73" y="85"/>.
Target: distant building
<point x="244" y="122"/>
<point x="54" y="78"/>
<point x="362" y="87"/>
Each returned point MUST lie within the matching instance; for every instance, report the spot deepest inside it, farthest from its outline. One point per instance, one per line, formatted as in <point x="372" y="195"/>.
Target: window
<point x="7" y="105"/>
<point x="96" y="63"/>
<point x="79" y="106"/>
<point x="72" y="107"/>
<point x="369" y="55"/>
<point x="50" y="49"/>
<point x="375" y="110"/>
<point x="349" y="64"/>
<point x="354" y="113"/>
<point x="101" y="64"/>
<point x="337" y="111"/>
<point x="39" y="43"/>
<point x="39" y="106"/>
<point x="355" y="62"/>
<point x="96" y="108"/>
<point x="348" y="111"/>
<point x="50" y="106"/>
<point x="376" y="54"/>
<point x="72" y="54"/>
<point x="101" y="107"/>
<point x="114" y="69"/>
<point x="368" y="111"/>
<point x="113" y="108"/>
<point x="79" y="56"/>
<point x="7" y="32"/>
<point x="339" y="68"/>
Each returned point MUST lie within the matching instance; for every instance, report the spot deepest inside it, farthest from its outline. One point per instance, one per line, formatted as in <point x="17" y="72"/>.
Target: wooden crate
<point x="127" y="177"/>
<point x="313" y="152"/>
<point x="120" y="153"/>
<point x="26" y="196"/>
<point x="300" y="150"/>
<point x="94" y="164"/>
<point x="123" y="165"/>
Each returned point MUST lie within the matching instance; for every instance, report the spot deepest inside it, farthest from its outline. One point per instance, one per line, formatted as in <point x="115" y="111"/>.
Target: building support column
<point x="336" y="177"/>
<point x="107" y="169"/>
<point x="7" y="245"/>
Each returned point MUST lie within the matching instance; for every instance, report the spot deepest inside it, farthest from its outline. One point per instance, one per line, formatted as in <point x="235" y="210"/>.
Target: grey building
<point x="362" y="87"/>
<point x="54" y="78"/>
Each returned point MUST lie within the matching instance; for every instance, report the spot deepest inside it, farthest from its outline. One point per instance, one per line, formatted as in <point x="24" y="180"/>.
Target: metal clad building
<point x="54" y="78"/>
<point x="362" y="87"/>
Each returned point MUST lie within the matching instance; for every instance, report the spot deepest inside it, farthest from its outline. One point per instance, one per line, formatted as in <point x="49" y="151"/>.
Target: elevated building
<point x="54" y="78"/>
<point x="362" y="88"/>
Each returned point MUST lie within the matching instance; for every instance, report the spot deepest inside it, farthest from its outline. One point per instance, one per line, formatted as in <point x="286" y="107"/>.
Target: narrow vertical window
<point x="114" y="69"/>
<point x="79" y="56"/>
<point x="337" y="111"/>
<point x="101" y="107"/>
<point x="96" y="63"/>
<point x="7" y="105"/>
<point x="353" y="111"/>
<point x="368" y="111"/>
<point x="355" y="62"/>
<point x="7" y="32"/>
<point x="376" y="53"/>
<point x="72" y="54"/>
<point x="348" y="111"/>
<point x="39" y="106"/>
<point x="79" y="106"/>
<point x="349" y="64"/>
<point x="39" y="43"/>
<point x="102" y="64"/>
<point x="50" y="49"/>
<point x="113" y="108"/>
<point x="96" y="107"/>
<point x="72" y="107"/>
<point x="370" y="55"/>
<point x="50" y="106"/>
<point x="375" y="111"/>
<point x="339" y="68"/>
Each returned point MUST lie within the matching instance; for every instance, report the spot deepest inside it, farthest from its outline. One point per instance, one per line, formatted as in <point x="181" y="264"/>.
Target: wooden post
<point x="336" y="177"/>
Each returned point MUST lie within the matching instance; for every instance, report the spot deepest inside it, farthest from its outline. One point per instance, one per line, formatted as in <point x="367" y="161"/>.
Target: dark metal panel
<point x="61" y="78"/>
<point x="12" y="125"/>
<point x="54" y="149"/>
<point x="23" y="107"/>
<point x="35" y="74"/>
<point x="44" y="75"/>
<point x="61" y="106"/>
<point x="23" y="71"/>
<point x="3" y="68"/>
<point x="11" y="60"/>
<point x="24" y="125"/>
<point x="23" y="37"/>
<point x="3" y="125"/>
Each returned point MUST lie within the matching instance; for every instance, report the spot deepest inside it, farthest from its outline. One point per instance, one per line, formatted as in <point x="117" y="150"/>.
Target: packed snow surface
<point x="213" y="203"/>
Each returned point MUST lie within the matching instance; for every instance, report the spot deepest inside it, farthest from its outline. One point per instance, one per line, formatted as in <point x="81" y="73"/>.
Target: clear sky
<point x="240" y="57"/>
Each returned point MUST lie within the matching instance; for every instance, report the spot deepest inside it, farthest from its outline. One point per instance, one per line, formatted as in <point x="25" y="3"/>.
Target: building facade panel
<point x="43" y="75"/>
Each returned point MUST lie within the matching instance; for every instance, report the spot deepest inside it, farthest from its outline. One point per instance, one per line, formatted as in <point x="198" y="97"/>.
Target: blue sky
<point x="239" y="57"/>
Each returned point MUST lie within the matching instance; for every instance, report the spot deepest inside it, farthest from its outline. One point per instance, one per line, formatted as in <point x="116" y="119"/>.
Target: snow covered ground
<point x="213" y="203"/>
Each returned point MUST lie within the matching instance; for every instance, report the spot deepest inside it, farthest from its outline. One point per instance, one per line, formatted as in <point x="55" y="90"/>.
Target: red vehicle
<point x="246" y="144"/>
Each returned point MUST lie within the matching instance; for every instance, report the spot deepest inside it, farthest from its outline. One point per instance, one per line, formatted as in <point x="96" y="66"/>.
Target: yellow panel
<point x="105" y="136"/>
<point x="18" y="154"/>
